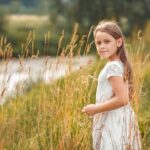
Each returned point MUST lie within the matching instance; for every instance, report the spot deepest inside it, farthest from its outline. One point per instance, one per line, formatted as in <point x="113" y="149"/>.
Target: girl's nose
<point x="101" y="46"/>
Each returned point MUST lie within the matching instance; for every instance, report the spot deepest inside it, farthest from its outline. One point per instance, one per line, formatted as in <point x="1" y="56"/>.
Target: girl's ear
<point x="119" y="42"/>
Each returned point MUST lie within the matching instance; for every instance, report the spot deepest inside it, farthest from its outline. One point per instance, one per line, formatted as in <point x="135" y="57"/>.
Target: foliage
<point x="63" y="14"/>
<point x="49" y="116"/>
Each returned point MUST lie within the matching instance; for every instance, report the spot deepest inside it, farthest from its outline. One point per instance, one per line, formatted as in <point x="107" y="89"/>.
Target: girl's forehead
<point x="102" y="35"/>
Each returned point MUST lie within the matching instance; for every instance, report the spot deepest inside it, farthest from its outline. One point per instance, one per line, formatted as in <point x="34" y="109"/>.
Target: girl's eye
<point x="98" y="43"/>
<point x="107" y="41"/>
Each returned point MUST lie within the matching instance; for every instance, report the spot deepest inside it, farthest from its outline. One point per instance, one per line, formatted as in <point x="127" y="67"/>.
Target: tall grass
<point x="141" y="66"/>
<point x="49" y="116"/>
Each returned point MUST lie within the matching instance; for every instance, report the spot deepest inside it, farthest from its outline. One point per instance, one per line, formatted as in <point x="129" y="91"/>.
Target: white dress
<point x="116" y="129"/>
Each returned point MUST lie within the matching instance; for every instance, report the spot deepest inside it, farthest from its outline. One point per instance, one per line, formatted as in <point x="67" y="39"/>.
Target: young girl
<point x="114" y="124"/>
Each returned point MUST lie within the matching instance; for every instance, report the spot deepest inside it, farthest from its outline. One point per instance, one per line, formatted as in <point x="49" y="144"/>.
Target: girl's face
<point x="107" y="45"/>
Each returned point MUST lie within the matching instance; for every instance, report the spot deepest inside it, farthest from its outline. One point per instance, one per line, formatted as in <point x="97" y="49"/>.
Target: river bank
<point x="16" y="74"/>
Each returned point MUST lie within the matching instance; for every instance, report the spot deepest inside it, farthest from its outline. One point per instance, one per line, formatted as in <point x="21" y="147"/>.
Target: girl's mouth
<point x="101" y="52"/>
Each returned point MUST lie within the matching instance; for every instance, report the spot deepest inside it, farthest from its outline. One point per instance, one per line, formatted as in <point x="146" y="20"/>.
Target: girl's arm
<point x="120" y="98"/>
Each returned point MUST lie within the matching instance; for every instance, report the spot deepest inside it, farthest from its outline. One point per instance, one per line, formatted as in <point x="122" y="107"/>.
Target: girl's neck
<point x="114" y="58"/>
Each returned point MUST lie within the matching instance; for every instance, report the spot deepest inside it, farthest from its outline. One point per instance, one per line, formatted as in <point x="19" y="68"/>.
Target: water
<point x="15" y="75"/>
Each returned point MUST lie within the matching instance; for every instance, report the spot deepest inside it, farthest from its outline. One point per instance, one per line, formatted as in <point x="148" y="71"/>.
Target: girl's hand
<point x="90" y="109"/>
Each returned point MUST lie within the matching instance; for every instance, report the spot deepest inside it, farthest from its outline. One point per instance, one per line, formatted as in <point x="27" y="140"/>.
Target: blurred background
<point x="36" y="111"/>
<point x="46" y="20"/>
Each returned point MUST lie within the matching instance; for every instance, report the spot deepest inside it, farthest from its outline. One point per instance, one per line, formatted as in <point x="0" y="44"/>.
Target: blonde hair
<point x="112" y="28"/>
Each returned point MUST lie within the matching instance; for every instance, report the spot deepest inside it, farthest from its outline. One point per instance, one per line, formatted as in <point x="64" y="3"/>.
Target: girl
<point x="114" y="124"/>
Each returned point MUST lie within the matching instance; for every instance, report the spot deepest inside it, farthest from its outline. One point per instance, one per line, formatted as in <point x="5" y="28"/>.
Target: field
<point x="49" y="116"/>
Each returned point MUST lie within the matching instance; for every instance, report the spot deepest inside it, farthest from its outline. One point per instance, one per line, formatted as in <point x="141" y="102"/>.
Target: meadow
<point x="49" y="117"/>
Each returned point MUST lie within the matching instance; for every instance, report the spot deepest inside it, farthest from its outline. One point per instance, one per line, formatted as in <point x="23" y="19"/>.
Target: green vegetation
<point x="144" y="117"/>
<point x="62" y="15"/>
<point x="50" y="117"/>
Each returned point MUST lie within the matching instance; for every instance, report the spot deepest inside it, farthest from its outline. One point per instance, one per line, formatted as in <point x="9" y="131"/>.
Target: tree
<point x="136" y="12"/>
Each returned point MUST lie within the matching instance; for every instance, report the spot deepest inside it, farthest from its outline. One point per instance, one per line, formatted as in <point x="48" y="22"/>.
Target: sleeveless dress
<point x="116" y="129"/>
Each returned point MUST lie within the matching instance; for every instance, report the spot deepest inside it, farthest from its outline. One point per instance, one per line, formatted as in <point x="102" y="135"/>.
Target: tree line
<point x="63" y="14"/>
<point x="130" y="13"/>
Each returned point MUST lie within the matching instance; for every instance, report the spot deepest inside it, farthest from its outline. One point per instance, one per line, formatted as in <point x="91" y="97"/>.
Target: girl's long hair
<point x="114" y="30"/>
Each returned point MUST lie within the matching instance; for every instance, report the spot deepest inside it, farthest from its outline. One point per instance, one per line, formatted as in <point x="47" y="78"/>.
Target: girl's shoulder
<point x="116" y="63"/>
<point x="114" y="68"/>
